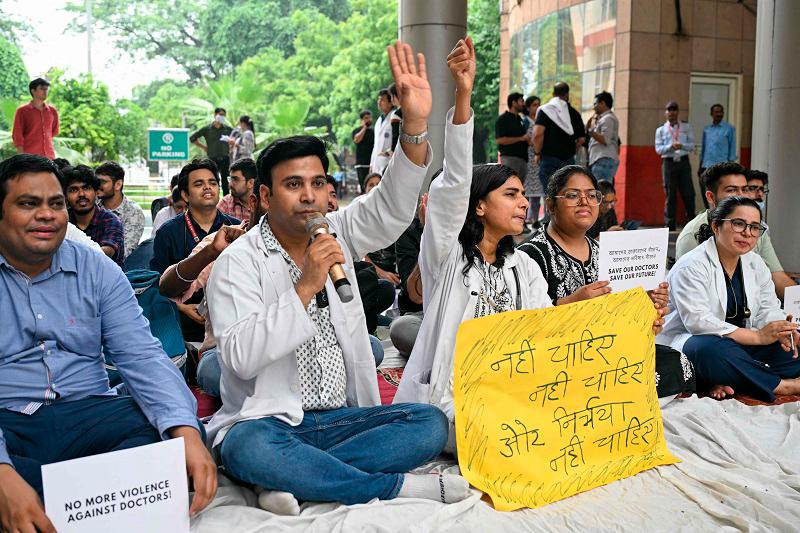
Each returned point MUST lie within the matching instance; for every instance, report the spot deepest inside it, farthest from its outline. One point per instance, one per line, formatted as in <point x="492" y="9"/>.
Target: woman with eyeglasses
<point x="568" y="257"/>
<point x="727" y="319"/>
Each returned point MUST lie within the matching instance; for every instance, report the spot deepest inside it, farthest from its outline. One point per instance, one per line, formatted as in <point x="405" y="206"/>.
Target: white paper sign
<point x="135" y="490"/>
<point x="791" y="302"/>
<point x="631" y="259"/>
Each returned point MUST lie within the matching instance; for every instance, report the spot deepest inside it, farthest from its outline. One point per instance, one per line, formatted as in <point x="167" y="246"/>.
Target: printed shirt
<point x="719" y="144"/>
<point x="60" y="324"/>
<point x="34" y="129"/>
<point x="132" y="218"/>
<point x="564" y="273"/>
<point x="106" y="229"/>
<point x="230" y="205"/>
<point x="320" y="361"/>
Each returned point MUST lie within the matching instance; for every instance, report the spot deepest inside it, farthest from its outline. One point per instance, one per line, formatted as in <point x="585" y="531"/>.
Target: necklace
<point x="494" y="296"/>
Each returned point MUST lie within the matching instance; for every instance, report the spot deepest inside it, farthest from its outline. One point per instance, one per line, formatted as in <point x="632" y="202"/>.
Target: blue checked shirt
<point x="719" y="144"/>
<point x="57" y="327"/>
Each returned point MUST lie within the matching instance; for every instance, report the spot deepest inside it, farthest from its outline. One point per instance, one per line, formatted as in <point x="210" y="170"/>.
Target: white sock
<point x="277" y="502"/>
<point x="447" y="488"/>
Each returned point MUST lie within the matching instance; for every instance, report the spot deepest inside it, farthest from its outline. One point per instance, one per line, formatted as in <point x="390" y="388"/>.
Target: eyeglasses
<point x="573" y="197"/>
<point x="739" y="226"/>
<point x="757" y="188"/>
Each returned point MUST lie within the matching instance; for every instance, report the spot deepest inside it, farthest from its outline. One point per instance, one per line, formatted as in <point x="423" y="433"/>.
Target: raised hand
<point x="413" y="89"/>
<point x="461" y="62"/>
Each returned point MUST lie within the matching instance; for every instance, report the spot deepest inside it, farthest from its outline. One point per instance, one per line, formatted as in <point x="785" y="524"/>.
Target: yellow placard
<point x="557" y="401"/>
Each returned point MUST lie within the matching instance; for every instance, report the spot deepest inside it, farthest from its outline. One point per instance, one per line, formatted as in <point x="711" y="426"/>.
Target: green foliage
<point x="483" y="23"/>
<point x="13" y="75"/>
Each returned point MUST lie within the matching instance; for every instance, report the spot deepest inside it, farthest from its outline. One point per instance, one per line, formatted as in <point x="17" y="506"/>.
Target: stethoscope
<point x="729" y="282"/>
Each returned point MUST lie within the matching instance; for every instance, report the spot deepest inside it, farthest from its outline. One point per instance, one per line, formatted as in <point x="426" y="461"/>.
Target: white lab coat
<point x="383" y="143"/>
<point x="698" y="296"/>
<point x="447" y="294"/>
<point x="259" y="321"/>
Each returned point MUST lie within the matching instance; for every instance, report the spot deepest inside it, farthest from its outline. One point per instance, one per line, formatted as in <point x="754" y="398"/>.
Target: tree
<point x="13" y="76"/>
<point x="483" y="24"/>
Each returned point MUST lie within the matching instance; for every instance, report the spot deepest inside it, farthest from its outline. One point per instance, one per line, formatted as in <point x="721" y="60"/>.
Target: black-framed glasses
<point x="573" y="197"/>
<point x="758" y="188"/>
<point x="739" y="226"/>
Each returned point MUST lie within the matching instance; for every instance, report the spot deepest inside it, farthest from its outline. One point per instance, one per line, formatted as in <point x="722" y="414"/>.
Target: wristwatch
<point x="414" y="139"/>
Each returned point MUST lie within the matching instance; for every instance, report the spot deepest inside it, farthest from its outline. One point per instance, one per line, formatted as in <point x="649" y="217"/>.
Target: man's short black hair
<point x="513" y="97"/>
<point x="716" y="105"/>
<point x="112" y="170"/>
<point x="176" y="195"/>
<point x="561" y="89"/>
<point x="281" y="150"/>
<point x="61" y="163"/>
<point x="606" y="98"/>
<point x="717" y="171"/>
<point x="196" y="164"/>
<point x="38" y="82"/>
<point x="606" y="187"/>
<point x="19" y="164"/>
<point x="386" y="93"/>
<point x="247" y="167"/>
<point x="757" y="175"/>
<point x="392" y="89"/>
<point x="80" y="174"/>
<point x="364" y="113"/>
<point x="173" y="182"/>
<point x="220" y="110"/>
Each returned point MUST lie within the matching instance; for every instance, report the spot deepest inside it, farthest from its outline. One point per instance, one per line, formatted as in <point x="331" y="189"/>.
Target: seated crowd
<point x="292" y="363"/>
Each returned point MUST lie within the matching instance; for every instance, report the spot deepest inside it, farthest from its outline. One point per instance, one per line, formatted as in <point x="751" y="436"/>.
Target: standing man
<point x="603" y="130"/>
<point x="382" y="148"/>
<point x="364" y="138"/>
<point x="103" y="227"/>
<point x="111" y="179"/>
<point x="174" y="241"/>
<point x="36" y="123"/>
<point x="557" y="133"/>
<point x="241" y="180"/>
<point x="674" y="142"/>
<point x="719" y="143"/>
<point x="512" y="137"/>
<point x="216" y="147"/>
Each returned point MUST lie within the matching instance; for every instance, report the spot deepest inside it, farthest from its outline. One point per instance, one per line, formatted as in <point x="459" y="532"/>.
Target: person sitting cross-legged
<point x="65" y="306"/>
<point x="300" y="409"/>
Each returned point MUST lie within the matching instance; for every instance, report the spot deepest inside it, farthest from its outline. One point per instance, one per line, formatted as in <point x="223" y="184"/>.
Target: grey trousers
<point x="404" y="331"/>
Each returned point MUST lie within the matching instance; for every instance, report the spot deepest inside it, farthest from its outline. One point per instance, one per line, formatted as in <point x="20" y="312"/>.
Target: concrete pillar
<point x="433" y="27"/>
<point x="776" y="121"/>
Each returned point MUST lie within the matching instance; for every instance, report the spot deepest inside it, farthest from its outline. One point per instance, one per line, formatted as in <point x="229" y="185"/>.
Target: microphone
<point x="317" y="225"/>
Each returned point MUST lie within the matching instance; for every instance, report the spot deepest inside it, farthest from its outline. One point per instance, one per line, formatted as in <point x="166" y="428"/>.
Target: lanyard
<point x="674" y="132"/>
<point x="191" y="227"/>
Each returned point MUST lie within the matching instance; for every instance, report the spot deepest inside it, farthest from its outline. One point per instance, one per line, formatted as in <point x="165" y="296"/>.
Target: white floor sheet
<point x="740" y="471"/>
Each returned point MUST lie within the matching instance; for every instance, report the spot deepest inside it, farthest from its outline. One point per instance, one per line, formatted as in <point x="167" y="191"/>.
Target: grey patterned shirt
<point x="320" y="362"/>
<point x="132" y="218"/>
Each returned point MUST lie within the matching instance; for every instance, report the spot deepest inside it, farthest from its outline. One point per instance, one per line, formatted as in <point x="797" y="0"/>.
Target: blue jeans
<point x="751" y="370"/>
<point x="548" y="167"/>
<point x="604" y="169"/>
<point x="349" y="455"/>
<point x="69" y="430"/>
<point x="209" y="372"/>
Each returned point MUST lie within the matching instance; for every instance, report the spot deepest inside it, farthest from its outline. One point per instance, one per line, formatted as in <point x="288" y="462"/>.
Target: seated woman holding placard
<point x="569" y="260"/>
<point x="727" y="319"/>
<point x="468" y="263"/>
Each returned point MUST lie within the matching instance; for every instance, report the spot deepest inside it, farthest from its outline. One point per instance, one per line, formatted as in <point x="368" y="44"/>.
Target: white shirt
<point x="447" y="294"/>
<point x="383" y="143"/>
<point x="259" y="320"/>
<point x="698" y="296"/>
<point x="75" y="234"/>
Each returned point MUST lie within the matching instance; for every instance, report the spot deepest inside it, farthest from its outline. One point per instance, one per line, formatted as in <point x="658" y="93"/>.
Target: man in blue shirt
<point x="64" y="306"/>
<point x="719" y="144"/>
<point x="674" y="141"/>
<point x="174" y="241"/>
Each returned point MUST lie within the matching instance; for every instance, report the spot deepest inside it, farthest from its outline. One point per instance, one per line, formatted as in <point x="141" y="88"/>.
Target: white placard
<point x="791" y="302"/>
<point x="134" y="490"/>
<point x="631" y="259"/>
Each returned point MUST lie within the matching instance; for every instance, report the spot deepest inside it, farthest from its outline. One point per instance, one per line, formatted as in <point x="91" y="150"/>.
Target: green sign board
<point x="167" y="144"/>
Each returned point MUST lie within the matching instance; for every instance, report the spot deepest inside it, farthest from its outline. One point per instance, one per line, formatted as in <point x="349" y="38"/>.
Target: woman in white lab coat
<point x="727" y="319"/>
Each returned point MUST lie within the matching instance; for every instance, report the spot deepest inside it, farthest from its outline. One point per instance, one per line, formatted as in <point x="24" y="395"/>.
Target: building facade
<point x="644" y="52"/>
